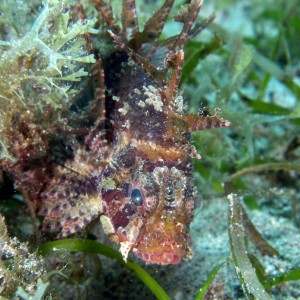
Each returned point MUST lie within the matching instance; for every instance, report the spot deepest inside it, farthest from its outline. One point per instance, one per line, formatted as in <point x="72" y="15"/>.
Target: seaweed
<point x="20" y="270"/>
<point x="250" y="283"/>
<point x="206" y="284"/>
<point x="290" y="275"/>
<point x="86" y="245"/>
<point x="253" y="76"/>
<point x="37" y="69"/>
<point x="40" y="291"/>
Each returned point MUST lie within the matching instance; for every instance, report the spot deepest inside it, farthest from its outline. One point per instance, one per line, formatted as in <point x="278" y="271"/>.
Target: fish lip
<point x="166" y="257"/>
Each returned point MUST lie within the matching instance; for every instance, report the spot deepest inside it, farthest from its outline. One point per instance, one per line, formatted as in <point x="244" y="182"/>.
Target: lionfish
<point x="133" y="169"/>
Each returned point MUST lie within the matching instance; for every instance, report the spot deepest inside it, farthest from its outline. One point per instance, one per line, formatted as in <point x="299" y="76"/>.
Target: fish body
<point x="133" y="167"/>
<point x="150" y="206"/>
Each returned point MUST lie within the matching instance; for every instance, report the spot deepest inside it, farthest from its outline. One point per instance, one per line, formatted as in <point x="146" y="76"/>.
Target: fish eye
<point x="170" y="199"/>
<point x="136" y="197"/>
<point x="169" y="191"/>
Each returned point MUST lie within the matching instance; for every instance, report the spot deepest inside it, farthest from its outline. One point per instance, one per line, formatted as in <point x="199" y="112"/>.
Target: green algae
<point x="99" y="248"/>
<point x="250" y="283"/>
<point x="256" y="121"/>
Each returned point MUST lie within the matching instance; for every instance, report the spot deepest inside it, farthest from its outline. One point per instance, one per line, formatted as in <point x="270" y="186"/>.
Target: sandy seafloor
<point x="211" y="246"/>
<point x="277" y="219"/>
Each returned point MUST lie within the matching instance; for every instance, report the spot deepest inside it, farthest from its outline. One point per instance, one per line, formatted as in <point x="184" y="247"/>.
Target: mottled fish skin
<point x="133" y="166"/>
<point x="150" y="162"/>
<point x="150" y="204"/>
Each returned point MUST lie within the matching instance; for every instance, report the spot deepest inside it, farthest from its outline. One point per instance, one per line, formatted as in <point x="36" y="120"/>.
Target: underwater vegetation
<point x="246" y="234"/>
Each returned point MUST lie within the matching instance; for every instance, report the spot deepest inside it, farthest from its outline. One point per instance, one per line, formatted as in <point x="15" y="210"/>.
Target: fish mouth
<point x="164" y="238"/>
<point x="161" y="247"/>
<point x="163" y="242"/>
<point x="163" y="258"/>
